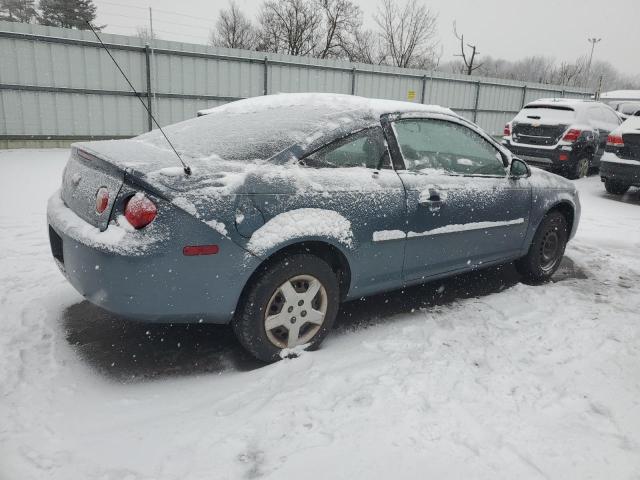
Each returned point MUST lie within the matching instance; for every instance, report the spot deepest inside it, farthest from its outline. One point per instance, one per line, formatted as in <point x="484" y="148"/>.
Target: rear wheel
<point x="292" y="303"/>
<point x="581" y="168"/>
<point x="546" y="250"/>
<point x="614" y="187"/>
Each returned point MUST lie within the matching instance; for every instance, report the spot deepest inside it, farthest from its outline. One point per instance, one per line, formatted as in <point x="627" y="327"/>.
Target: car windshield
<point x="546" y="114"/>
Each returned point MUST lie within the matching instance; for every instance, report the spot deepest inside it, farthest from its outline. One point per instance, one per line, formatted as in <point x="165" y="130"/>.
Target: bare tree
<point x="290" y="26"/>
<point x="569" y="73"/>
<point x="342" y="21"/>
<point x="233" y="29"/>
<point x="145" y="34"/>
<point x="467" y="58"/>
<point x="407" y="33"/>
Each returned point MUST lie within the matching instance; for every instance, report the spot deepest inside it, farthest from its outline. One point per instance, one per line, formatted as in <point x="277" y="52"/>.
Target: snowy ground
<point x="476" y="377"/>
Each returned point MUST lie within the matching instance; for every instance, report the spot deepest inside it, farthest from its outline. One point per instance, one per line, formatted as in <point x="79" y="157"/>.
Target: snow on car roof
<point x="258" y="128"/>
<point x="621" y="94"/>
<point x="559" y="102"/>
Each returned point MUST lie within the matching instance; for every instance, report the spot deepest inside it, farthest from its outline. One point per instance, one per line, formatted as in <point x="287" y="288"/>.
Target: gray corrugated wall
<point x="56" y="83"/>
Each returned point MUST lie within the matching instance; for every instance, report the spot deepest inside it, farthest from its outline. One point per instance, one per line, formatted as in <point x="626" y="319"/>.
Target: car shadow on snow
<point x="632" y="196"/>
<point x="132" y="351"/>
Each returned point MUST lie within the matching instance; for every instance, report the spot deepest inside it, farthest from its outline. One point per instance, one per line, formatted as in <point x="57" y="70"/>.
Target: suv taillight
<point x="140" y="211"/>
<point x="572" y="135"/>
<point x="507" y="130"/>
<point x="615" y="141"/>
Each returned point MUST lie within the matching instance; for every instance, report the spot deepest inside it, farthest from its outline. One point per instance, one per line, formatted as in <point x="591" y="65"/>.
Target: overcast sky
<point x="502" y="29"/>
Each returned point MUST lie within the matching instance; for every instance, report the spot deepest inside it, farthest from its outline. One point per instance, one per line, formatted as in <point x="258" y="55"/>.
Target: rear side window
<point x="429" y="144"/>
<point x="366" y="148"/>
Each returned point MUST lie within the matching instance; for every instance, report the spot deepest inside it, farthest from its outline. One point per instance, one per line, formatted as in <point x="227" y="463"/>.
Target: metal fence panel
<point x="58" y="83"/>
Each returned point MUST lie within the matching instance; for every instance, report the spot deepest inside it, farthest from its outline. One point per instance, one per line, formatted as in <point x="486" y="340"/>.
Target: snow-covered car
<point x="295" y="203"/>
<point x="566" y="136"/>
<point x="620" y="167"/>
<point x="627" y="109"/>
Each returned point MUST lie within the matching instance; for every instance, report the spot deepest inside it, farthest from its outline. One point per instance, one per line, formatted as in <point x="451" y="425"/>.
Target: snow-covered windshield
<point x="629" y="108"/>
<point x="547" y="114"/>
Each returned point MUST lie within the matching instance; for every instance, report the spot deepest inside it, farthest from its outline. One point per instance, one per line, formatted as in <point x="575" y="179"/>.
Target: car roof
<point x="325" y="102"/>
<point x="261" y="127"/>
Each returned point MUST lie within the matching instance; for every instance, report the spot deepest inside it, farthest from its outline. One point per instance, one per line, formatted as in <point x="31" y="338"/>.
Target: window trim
<point x="457" y="121"/>
<point x="343" y="140"/>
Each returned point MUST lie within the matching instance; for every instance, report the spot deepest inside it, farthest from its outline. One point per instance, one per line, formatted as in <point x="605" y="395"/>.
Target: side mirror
<point x="519" y="169"/>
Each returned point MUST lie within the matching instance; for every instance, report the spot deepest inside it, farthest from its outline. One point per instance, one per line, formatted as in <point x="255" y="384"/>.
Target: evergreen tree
<point x="67" y="13"/>
<point x="17" y="10"/>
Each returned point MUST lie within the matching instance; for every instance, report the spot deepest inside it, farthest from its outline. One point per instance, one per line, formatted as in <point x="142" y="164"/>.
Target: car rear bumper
<point x="548" y="159"/>
<point x="151" y="284"/>
<point x="626" y="172"/>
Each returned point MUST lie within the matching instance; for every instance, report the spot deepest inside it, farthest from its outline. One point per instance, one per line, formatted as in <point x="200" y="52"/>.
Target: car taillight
<point x="140" y="211"/>
<point x="615" y="141"/>
<point x="572" y="135"/>
<point x="102" y="200"/>
<point x="507" y="130"/>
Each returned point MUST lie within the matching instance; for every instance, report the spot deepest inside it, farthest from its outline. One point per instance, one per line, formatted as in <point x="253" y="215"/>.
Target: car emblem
<point x="535" y="125"/>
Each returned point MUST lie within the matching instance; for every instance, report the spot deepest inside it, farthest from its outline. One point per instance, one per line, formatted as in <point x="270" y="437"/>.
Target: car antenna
<point x="187" y="168"/>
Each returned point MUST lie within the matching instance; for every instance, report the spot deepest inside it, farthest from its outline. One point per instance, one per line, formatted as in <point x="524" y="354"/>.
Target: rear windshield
<point x="547" y="114"/>
<point x="246" y="135"/>
<point x="629" y="108"/>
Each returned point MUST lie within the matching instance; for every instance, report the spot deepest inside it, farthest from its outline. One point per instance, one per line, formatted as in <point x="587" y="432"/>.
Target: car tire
<point x="580" y="169"/>
<point x="267" y="321"/>
<point x="546" y="250"/>
<point x="614" y="187"/>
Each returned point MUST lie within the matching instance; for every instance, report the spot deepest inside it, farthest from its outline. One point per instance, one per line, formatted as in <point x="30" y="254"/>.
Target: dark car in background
<point x="565" y="136"/>
<point x="620" y="167"/>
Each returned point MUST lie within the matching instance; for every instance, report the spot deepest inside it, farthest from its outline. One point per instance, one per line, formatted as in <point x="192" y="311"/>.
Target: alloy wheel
<point x="295" y="312"/>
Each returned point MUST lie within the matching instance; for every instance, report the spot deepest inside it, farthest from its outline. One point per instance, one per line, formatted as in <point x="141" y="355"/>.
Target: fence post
<point x="475" y="107"/>
<point x="562" y="93"/>
<point x="424" y="88"/>
<point x="265" y="78"/>
<point x="149" y="94"/>
<point x="353" y="81"/>
<point x="524" y="96"/>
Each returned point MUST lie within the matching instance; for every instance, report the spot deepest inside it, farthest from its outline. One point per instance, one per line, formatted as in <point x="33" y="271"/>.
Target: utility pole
<point x="152" y="40"/>
<point x="593" y="42"/>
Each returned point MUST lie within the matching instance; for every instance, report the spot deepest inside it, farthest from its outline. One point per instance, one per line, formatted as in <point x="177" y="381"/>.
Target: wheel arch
<point x="326" y="251"/>
<point x="566" y="209"/>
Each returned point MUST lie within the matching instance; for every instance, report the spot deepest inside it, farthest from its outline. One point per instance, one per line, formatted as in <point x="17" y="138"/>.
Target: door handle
<point x="434" y="202"/>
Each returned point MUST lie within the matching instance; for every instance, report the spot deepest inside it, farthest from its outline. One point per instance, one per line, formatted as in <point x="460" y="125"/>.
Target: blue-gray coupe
<point x="294" y="203"/>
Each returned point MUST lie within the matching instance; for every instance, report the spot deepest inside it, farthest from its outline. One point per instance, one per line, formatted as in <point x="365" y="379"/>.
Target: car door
<point x="463" y="210"/>
<point x="353" y="177"/>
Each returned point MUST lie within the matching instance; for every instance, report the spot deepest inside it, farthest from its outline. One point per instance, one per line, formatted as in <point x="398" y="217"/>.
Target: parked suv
<point x="620" y="168"/>
<point x="562" y="135"/>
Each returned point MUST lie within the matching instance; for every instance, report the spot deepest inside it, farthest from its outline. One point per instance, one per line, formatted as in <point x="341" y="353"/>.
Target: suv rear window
<point x="547" y="114"/>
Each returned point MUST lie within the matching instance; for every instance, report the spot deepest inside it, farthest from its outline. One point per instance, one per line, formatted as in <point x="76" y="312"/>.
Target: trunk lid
<point x="537" y="134"/>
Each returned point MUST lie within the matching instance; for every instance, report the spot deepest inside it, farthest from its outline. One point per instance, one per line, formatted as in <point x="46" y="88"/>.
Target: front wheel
<point x="546" y="250"/>
<point x="293" y="302"/>
<point x="614" y="187"/>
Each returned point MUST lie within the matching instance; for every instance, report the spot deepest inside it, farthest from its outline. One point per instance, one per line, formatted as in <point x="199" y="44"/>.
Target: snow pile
<point x="384" y="235"/>
<point x="301" y="223"/>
